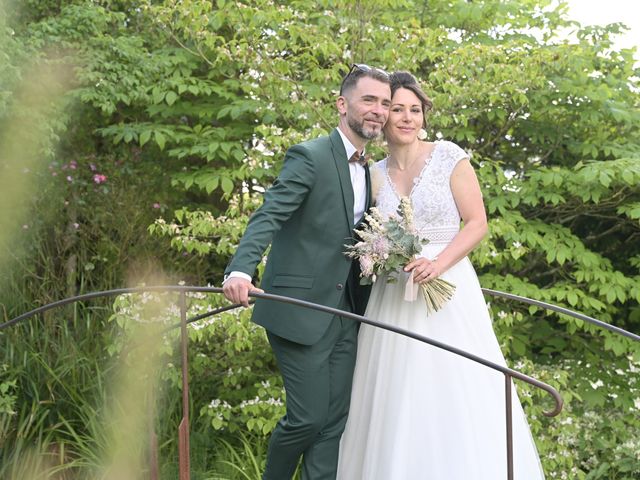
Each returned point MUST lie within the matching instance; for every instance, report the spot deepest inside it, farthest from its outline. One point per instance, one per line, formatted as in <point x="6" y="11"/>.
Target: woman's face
<point x="405" y="118"/>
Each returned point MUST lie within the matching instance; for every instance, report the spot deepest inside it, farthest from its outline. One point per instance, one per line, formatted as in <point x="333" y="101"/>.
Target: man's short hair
<point x="358" y="71"/>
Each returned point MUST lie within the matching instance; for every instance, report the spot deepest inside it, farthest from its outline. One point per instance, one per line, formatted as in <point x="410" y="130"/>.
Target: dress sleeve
<point x="453" y="154"/>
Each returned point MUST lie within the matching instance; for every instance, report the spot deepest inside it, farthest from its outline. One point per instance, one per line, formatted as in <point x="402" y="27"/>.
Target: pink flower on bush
<point x="99" y="178"/>
<point x="156" y="205"/>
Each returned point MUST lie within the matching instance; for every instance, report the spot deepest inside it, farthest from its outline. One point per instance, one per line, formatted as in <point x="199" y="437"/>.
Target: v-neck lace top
<point x="436" y="215"/>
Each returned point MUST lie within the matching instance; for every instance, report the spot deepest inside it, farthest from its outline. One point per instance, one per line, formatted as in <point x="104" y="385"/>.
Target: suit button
<point x="339" y="286"/>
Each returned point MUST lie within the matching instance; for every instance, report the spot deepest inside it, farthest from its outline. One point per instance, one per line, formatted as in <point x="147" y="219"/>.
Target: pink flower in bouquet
<point x="366" y="265"/>
<point x="380" y="247"/>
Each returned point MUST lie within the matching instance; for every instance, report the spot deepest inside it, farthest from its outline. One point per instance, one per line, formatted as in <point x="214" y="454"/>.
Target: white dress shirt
<point x="359" y="184"/>
<point x="358" y="180"/>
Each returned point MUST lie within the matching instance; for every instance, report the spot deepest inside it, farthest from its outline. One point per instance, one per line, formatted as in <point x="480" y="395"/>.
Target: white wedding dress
<point x="418" y="412"/>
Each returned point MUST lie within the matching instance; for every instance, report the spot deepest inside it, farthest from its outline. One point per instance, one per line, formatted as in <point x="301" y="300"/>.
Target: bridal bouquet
<point x="386" y="246"/>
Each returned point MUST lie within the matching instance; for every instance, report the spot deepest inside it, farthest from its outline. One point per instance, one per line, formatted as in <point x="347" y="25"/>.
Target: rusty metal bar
<point x="302" y="303"/>
<point x="184" y="288"/>
<point x="183" y="440"/>
<point x="183" y="449"/>
<point x="509" y="412"/>
<point x="154" y="469"/>
<point x="566" y="311"/>
<point x="443" y="346"/>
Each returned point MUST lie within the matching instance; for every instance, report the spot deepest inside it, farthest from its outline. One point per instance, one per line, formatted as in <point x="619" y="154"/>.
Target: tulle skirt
<point x="418" y="412"/>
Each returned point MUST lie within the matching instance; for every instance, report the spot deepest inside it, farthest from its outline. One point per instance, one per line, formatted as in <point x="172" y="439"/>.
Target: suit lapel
<point x="342" y="166"/>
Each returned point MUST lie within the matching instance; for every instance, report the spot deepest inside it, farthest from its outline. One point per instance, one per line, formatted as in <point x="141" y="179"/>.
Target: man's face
<point x="366" y="107"/>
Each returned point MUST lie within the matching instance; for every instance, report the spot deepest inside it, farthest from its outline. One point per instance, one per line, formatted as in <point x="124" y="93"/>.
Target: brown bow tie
<point x="358" y="158"/>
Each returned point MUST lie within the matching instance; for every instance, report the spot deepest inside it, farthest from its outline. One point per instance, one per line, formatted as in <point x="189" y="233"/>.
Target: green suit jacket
<point x="307" y="217"/>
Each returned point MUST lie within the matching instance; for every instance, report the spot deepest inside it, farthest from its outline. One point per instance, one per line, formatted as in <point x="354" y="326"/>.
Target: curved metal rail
<point x="301" y="303"/>
<point x="182" y="290"/>
<point x="566" y="311"/>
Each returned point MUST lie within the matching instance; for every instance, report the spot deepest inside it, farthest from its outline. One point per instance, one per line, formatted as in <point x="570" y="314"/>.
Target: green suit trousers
<point x="317" y="380"/>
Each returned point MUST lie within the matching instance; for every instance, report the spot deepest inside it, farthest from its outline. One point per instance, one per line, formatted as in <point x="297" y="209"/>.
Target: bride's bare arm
<point x="468" y="198"/>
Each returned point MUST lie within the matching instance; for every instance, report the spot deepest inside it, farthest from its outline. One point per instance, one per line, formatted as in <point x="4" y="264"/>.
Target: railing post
<point x="154" y="470"/>
<point x="507" y="389"/>
<point x="183" y="441"/>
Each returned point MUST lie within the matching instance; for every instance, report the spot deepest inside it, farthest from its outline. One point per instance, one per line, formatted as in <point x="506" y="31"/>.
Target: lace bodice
<point x="435" y="213"/>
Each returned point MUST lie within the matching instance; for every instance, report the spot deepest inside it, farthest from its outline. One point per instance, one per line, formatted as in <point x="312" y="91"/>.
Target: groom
<point x="307" y="216"/>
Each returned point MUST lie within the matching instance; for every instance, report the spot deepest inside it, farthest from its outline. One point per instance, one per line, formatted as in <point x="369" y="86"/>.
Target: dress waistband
<point x="439" y="235"/>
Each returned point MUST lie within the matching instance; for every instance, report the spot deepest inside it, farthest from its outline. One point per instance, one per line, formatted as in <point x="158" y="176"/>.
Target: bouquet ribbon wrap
<point x="411" y="289"/>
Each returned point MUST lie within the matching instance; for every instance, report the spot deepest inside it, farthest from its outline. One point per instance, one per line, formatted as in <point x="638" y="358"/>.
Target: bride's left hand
<point x="424" y="270"/>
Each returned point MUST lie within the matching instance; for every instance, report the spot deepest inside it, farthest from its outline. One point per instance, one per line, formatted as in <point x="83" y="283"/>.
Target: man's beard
<point x="361" y="131"/>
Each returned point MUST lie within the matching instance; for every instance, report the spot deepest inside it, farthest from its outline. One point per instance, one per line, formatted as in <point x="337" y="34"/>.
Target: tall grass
<point x="89" y="415"/>
<point x="60" y="374"/>
<point x="244" y="461"/>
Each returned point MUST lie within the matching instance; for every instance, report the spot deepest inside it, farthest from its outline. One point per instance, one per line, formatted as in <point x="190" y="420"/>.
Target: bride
<point x="418" y="412"/>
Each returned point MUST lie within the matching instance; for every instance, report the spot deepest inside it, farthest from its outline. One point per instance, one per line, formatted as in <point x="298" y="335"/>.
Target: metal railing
<point x="565" y="311"/>
<point x="508" y="373"/>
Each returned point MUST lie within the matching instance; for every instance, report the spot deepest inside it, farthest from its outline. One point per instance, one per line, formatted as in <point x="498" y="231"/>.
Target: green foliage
<point x="585" y="442"/>
<point x="7" y="393"/>
<point x="187" y="107"/>
<point x="246" y="463"/>
<point x="90" y="234"/>
<point x="237" y="386"/>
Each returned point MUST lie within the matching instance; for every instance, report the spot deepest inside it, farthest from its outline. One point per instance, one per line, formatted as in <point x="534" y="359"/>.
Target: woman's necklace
<point x="397" y="166"/>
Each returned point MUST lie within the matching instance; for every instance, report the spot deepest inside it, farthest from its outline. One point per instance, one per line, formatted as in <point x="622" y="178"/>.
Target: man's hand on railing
<point x="237" y="289"/>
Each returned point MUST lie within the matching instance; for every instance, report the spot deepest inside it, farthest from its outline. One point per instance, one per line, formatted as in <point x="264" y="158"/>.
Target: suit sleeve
<point x="285" y="196"/>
